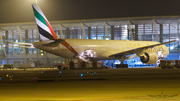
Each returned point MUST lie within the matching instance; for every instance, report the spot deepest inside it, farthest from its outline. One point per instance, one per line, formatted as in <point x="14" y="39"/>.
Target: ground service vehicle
<point x="8" y="66"/>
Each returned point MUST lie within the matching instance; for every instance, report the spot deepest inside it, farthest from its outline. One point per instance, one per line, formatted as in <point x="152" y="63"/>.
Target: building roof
<point x="95" y="22"/>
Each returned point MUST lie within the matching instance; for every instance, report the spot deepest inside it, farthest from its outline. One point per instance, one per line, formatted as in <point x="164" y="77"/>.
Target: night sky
<point x="15" y="11"/>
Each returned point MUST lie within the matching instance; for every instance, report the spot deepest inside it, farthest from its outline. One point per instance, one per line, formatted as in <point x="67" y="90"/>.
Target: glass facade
<point x="121" y="32"/>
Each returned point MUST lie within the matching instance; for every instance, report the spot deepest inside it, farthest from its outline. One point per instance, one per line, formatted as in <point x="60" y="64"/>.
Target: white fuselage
<point x="100" y="49"/>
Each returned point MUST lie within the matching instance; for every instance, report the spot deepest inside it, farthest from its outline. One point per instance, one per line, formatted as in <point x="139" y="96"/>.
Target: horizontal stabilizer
<point x="50" y="43"/>
<point x="29" y="44"/>
<point x="24" y="46"/>
<point x="54" y="44"/>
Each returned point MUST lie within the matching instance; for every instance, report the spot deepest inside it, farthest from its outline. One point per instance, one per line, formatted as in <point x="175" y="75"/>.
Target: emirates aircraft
<point x="93" y="50"/>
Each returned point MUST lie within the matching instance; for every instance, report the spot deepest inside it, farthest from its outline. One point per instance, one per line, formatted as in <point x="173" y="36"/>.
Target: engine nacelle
<point x="149" y="58"/>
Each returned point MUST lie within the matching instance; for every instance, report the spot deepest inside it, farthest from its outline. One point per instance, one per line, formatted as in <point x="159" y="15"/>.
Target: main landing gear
<point x="122" y="65"/>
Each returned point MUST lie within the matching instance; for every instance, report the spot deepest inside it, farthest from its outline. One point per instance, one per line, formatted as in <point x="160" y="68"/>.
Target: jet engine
<point x="149" y="58"/>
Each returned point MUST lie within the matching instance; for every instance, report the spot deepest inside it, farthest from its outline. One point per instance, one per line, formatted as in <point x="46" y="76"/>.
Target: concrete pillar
<point x="106" y="31"/>
<point x="7" y="61"/>
<point x="1" y="61"/>
<point x="26" y="36"/>
<point x="104" y="37"/>
<point x="26" y="40"/>
<point x="2" y="43"/>
<point x="96" y="32"/>
<point x="83" y="31"/>
<point x="112" y="32"/>
<point x="37" y="37"/>
<point x="6" y="38"/>
<point x="169" y="35"/>
<point x="37" y="34"/>
<point x="47" y="60"/>
<point x="112" y="63"/>
<point x="161" y="32"/>
<point x="130" y="31"/>
<point x="33" y="34"/>
<point x="67" y="33"/>
<point x="74" y="33"/>
<point x="13" y="39"/>
<point x="120" y="32"/>
<point x="178" y="35"/>
<point x="89" y="32"/>
<point x="155" y="29"/>
<point x="20" y="36"/>
<point x="27" y="60"/>
<point x="143" y="32"/>
<point x="12" y="34"/>
<point x="32" y="41"/>
<point x="128" y="34"/>
<point x="136" y="32"/>
<point x="60" y="29"/>
<point x="71" y="33"/>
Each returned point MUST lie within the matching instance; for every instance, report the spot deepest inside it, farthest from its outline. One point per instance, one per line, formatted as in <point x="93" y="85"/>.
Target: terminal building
<point x="167" y="29"/>
<point x="159" y="28"/>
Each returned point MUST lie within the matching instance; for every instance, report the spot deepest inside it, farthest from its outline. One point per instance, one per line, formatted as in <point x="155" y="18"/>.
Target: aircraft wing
<point x="156" y="96"/>
<point x="139" y="49"/>
<point x="170" y="96"/>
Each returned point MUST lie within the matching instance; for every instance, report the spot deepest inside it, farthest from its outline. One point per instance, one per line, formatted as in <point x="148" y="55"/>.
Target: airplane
<point x="162" y="96"/>
<point x="94" y="50"/>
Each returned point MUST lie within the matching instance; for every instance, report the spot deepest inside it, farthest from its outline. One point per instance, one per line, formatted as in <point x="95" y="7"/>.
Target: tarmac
<point x="128" y="84"/>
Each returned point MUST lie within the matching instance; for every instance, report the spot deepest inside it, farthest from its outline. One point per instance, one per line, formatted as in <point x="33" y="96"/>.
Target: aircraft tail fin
<point x="45" y="30"/>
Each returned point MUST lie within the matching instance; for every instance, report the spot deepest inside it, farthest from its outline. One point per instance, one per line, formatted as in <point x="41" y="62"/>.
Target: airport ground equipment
<point x="82" y="65"/>
<point x="1" y="66"/>
<point x="60" y="66"/>
<point x="8" y="66"/>
<point x="71" y="65"/>
<point x="166" y="64"/>
<point x="63" y="67"/>
<point x="177" y="64"/>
